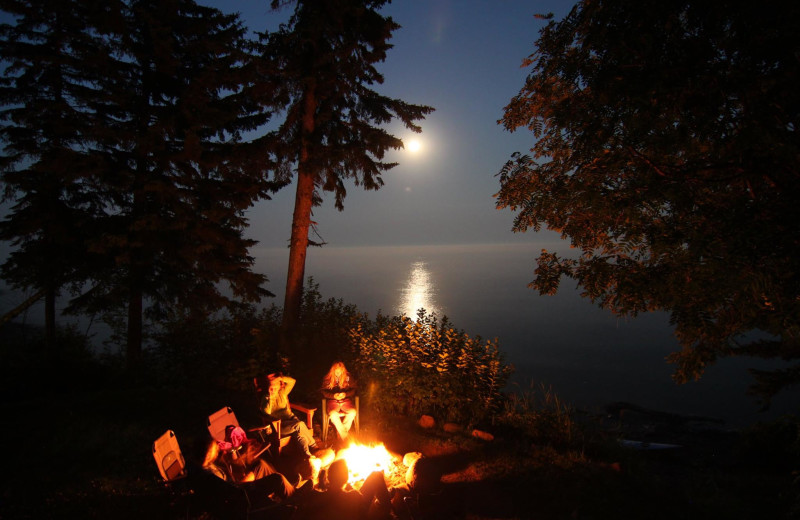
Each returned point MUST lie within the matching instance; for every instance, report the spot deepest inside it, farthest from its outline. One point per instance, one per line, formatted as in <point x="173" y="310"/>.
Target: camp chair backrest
<point x="219" y="420"/>
<point x="168" y="457"/>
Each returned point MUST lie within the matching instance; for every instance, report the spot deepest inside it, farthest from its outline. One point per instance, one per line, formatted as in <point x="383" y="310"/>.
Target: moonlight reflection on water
<point x="418" y="292"/>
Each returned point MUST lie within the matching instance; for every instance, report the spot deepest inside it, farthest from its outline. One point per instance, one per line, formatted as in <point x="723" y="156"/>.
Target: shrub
<point x="772" y="445"/>
<point x="29" y="369"/>
<point x="540" y="414"/>
<point x="425" y="366"/>
<point x="219" y="350"/>
<point x="402" y="365"/>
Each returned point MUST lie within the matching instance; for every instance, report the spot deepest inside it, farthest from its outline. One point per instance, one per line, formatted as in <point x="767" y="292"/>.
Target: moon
<point x="414" y="146"/>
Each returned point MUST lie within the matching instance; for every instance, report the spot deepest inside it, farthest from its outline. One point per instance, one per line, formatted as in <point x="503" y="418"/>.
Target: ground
<point x="88" y="455"/>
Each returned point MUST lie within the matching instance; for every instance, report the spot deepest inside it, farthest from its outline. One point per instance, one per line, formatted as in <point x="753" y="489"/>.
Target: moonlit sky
<point x="462" y="57"/>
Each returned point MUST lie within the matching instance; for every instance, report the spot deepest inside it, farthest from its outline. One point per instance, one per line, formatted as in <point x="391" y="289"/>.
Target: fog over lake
<point x="586" y="355"/>
<point x="589" y="357"/>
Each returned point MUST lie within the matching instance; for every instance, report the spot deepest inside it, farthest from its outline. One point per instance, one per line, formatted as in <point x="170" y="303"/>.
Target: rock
<point x="326" y="456"/>
<point x="451" y="427"/>
<point x="410" y="475"/>
<point x="484" y="436"/>
<point x="426" y="421"/>
<point x="410" y="458"/>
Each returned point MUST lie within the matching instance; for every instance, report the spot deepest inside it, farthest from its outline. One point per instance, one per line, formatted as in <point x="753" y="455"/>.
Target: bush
<point x="231" y="348"/>
<point x="540" y="415"/>
<point x="218" y="350"/>
<point x="29" y="369"/>
<point x="322" y="337"/>
<point x="772" y="445"/>
<point x="402" y="365"/>
<point x="425" y="366"/>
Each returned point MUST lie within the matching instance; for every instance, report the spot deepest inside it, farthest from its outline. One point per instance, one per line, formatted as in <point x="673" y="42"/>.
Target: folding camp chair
<point x="228" y="499"/>
<point x="260" y="385"/>
<point x="219" y="421"/>
<point x="169" y="458"/>
<point x="326" y="419"/>
<point x="172" y="466"/>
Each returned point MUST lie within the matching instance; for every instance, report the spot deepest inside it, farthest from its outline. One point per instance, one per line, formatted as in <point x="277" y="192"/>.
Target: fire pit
<point x="363" y="459"/>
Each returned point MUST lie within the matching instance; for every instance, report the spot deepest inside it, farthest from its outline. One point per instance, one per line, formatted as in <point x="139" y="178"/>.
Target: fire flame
<point x="363" y="459"/>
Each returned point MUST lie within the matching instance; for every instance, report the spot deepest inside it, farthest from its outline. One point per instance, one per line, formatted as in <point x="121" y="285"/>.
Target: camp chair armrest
<point x="307" y="411"/>
<point x="262" y="430"/>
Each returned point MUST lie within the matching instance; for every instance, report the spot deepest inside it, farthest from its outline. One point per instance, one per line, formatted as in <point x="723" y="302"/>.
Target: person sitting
<point x="244" y="468"/>
<point x="275" y="405"/>
<point x="339" y="501"/>
<point x="339" y="388"/>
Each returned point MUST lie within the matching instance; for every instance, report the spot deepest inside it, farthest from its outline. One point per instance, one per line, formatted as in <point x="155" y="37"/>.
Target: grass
<point x="87" y="454"/>
<point x="79" y="438"/>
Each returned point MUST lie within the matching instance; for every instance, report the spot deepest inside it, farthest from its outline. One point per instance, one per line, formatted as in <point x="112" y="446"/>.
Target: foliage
<point x="320" y="67"/>
<point x="412" y="367"/>
<point x="401" y="365"/>
<point x="230" y="348"/>
<point x="25" y="369"/>
<point x="666" y="151"/>
<point x="212" y="349"/>
<point x="772" y="445"/>
<point x="125" y="161"/>
<point x="44" y="168"/>
<point x="321" y="338"/>
<point x="174" y="169"/>
<point x="541" y="415"/>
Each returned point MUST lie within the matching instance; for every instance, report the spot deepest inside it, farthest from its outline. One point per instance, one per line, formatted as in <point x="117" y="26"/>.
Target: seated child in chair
<point x="339" y="388"/>
<point x="275" y="404"/>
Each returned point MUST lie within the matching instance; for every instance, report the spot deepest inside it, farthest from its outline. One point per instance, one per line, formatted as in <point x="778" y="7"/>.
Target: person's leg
<point x="349" y="415"/>
<point x="273" y="486"/>
<point x="298" y="431"/>
<point x="336" y="420"/>
<point x="289" y="426"/>
<point x="307" y="437"/>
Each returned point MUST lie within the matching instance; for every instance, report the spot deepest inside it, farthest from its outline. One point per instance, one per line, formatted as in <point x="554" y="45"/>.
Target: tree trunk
<point x="301" y="222"/>
<point x="50" y="320"/>
<point x="134" y="339"/>
<point x="19" y="309"/>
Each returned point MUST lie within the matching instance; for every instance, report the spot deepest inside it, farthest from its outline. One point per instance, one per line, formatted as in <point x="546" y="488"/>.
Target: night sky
<point x="463" y="58"/>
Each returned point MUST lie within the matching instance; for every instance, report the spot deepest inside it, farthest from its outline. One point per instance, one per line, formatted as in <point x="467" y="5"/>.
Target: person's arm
<point x="266" y="406"/>
<point x="350" y="391"/>
<point x="289" y="383"/>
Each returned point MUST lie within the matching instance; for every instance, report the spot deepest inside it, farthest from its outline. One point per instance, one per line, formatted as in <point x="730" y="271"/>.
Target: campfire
<point x="363" y="459"/>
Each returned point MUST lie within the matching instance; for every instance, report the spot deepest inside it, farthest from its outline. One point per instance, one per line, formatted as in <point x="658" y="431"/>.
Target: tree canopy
<point x="43" y="128"/>
<point x="321" y="67"/>
<point x="667" y="151"/>
<point x="123" y="131"/>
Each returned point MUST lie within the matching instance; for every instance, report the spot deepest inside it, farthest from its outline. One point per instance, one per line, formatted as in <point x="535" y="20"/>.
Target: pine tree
<point x="45" y="169"/>
<point x="174" y="167"/>
<point x="322" y="63"/>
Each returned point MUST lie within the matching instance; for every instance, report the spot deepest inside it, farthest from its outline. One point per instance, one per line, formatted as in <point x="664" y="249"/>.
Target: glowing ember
<point x="363" y="460"/>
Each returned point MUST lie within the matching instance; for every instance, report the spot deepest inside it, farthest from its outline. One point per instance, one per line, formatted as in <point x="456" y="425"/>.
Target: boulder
<point x="451" y="427"/>
<point x="410" y="458"/>
<point x="484" y="436"/>
<point x="426" y="421"/>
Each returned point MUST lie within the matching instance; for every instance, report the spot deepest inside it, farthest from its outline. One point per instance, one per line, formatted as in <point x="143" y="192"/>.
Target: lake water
<point x="589" y="357"/>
